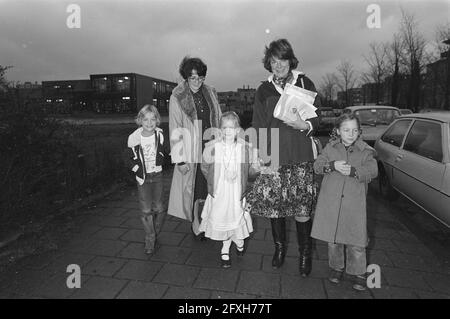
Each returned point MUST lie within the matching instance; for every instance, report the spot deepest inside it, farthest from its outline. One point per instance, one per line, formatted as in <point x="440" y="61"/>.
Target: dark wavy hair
<point x="188" y="64"/>
<point x="346" y="116"/>
<point x="282" y="50"/>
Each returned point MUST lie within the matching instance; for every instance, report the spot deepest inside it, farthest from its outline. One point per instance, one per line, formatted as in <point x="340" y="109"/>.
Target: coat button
<point x="342" y="196"/>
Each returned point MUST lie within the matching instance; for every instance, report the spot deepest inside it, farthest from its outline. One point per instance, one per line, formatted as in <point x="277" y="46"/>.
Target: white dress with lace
<point x="223" y="216"/>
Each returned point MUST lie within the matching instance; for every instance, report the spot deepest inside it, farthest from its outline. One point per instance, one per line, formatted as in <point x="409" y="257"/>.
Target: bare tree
<point x="377" y="60"/>
<point x="346" y="79"/>
<point x="394" y="52"/>
<point x="413" y="57"/>
<point x="327" y="87"/>
<point x="3" y="81"/>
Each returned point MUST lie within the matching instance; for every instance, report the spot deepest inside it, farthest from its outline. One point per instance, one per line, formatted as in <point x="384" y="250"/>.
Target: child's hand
<point x="342" y="167"/>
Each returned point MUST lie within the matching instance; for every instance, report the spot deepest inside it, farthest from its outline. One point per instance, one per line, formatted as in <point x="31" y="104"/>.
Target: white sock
<point x="239" y="244"/>
<point x="226" y="249"/>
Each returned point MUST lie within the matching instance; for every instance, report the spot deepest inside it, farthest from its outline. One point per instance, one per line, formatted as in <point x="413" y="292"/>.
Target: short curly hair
<point x="282" y="50"/>
<point x="188" y="64"/>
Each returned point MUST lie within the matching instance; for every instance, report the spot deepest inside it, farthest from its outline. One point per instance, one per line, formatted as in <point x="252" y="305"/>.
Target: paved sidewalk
<point x="108" y="247"/>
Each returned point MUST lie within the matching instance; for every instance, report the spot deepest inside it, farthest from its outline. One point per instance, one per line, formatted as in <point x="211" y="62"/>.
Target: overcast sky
<point x="151" y="37"/>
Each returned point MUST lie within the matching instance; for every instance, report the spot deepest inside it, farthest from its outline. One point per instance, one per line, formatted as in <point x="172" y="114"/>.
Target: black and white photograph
<point x="224" y="154"/>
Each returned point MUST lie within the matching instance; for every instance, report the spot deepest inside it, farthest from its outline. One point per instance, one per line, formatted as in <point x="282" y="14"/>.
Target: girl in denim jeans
<point x="148" y="150"/>
<point x="349" y="165"/>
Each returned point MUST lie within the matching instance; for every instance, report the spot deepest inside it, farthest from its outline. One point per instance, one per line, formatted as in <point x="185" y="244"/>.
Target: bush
<point x="46" y="164"/>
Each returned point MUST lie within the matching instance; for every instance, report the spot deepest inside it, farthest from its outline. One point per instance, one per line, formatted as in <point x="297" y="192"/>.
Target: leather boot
<point x="279" y="239"/>
<point x="304" y="247"/>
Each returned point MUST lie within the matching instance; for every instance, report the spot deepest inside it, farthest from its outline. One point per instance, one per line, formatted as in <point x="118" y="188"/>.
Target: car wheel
<point x="385" y="187"/>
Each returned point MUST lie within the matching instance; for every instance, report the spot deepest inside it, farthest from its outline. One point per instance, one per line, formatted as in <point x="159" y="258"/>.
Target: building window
<point x="122" y="84"/>
<point x="101" y="84"/>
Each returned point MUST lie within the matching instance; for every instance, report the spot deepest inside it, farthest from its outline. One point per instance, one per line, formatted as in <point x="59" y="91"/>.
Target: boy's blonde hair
<point x="148" y="108"/>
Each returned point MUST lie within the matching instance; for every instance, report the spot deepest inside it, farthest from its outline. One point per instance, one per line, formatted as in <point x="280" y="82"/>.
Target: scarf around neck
<point x="281" y="82"/>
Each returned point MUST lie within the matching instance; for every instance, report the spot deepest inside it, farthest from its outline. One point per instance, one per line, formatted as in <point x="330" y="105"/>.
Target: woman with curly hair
<point x="193" y="109"/>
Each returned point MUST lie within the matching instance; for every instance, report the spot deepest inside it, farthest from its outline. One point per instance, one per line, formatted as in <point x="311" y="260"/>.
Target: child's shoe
<point x="225" y="263"/>
<point x="359" y="283"/>
<point x="240" y="251"/>
<point x="335" y="276"/>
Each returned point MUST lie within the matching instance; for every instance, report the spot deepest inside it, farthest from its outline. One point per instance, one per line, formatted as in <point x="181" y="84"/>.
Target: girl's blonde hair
<point x="148" y="108"/>
<point x="230" y="115"/>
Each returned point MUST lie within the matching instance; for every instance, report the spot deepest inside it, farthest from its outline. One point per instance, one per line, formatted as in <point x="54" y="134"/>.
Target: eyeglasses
<point x="196" y="78"/>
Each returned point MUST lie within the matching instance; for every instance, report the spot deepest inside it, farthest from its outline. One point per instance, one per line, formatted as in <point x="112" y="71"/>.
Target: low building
<point x="66" y="96"/>
<point x="127" y="92"/>
<point x="108" y="93"/>
<point x="239" y="101"/>
<point x="354" y="97"/>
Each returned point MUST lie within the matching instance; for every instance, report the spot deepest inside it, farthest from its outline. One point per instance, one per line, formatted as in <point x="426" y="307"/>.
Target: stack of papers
<point x="293" y="101"/>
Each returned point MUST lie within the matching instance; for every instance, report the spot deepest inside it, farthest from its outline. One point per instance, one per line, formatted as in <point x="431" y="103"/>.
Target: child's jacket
<point x="209" y="166"/>
<point x="340" y="215"/>
<point x="137" y="163"/>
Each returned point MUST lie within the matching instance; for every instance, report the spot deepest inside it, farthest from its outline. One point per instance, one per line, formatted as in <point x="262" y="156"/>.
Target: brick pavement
<point x="107" y="244"/>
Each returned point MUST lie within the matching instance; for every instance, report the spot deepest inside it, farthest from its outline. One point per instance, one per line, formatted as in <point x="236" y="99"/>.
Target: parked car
<point x="374" y="119"/>
<point x="414" y="160"/>
<point x="327" y="119"/>
<point x="405" y="111"/>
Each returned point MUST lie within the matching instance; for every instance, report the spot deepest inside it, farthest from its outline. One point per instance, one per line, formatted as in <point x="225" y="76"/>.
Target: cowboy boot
<point x="304" y="247"/>
<point x="279" y="239"/>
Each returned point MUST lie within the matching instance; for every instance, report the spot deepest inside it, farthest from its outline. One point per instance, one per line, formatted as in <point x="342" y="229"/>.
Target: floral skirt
<point x="291" y="191"/>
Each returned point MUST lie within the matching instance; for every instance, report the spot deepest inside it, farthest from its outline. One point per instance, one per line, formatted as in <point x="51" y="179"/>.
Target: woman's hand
<point x="298" y="124"/>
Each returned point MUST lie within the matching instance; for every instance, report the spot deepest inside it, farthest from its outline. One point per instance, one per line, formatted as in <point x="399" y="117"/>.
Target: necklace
<point x="229" y="156"/>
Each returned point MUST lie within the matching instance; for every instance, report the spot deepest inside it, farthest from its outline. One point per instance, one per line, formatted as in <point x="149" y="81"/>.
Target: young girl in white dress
<point x="227" y="163"/>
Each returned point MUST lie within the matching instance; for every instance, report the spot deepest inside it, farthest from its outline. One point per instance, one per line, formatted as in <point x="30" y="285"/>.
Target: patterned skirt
<point x="292" y="191"/>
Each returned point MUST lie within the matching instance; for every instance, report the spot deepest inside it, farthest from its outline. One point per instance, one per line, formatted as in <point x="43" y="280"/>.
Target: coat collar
<point x="182" y="93"/>
<point x="135" y="137"/>
<point x="359" y="143"/>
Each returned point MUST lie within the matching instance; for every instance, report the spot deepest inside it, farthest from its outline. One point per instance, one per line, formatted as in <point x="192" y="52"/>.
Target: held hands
<point x="342" y="167"/>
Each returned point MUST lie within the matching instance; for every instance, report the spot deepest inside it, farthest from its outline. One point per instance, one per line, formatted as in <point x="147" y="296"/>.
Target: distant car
<point x="405" y="111"/>
<point x="430" y="110"/>
<point x="337" y="112"/>
<point x="414" y="160"/>
<point x="327" y="119"/>
<point x="374" y="119"/>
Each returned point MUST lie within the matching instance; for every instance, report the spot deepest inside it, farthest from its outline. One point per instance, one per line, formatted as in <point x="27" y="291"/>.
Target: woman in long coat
<point x="291" y="191"/>
<point x="193" y="109"/>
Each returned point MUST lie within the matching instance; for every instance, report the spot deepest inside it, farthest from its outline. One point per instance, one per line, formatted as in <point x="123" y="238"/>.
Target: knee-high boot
<point x="279" y="239"/>
<point x="304" y="247"/>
